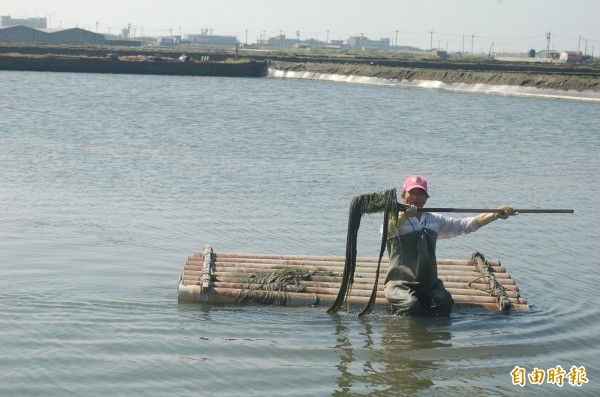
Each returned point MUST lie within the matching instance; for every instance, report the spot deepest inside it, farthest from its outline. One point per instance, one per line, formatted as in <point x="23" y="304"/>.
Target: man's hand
<point x="410" y="212"/>
<point x="486" y="218"/>
<point x="506" y="212"/>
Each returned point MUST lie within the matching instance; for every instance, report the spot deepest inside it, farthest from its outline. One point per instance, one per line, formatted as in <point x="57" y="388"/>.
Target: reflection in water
<point x="383" y="362"/>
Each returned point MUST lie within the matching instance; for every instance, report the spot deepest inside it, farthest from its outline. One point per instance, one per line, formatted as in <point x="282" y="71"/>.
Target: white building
<point x="35" y="23"/>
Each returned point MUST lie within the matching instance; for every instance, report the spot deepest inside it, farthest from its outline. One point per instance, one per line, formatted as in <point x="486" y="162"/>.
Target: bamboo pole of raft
<point x="456" y="289"/>
<point x="228" y="278"/>
<point x="294" y="299"/>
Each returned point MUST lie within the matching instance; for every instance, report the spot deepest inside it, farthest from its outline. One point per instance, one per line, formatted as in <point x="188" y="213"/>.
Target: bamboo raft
<point x="294" y="280"/>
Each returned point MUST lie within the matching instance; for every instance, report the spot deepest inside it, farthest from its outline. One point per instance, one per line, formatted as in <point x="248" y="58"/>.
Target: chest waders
<point x="412" y="285"/>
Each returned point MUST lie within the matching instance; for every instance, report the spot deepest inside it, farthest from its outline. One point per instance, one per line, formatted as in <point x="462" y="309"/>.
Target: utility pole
<point x="472" y="41"/>
<point x="463" y="50"/>
<point x="327" y="37"/>
<point x="579" y="44"/>
<point x="431" y="41"/>
<point x="246" y="36"/>
<point x="396" y="39"/>
<point x="548" y="45"/>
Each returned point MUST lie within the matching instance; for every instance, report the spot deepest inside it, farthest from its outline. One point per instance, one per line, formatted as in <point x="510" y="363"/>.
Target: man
<point x="412" y="285"/>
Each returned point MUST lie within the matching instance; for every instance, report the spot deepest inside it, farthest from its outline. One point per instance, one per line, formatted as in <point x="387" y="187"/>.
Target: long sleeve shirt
<point x="445" y="227"/>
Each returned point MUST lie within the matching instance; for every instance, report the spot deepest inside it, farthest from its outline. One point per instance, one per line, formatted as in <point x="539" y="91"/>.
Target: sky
<point x="454" y="25"/>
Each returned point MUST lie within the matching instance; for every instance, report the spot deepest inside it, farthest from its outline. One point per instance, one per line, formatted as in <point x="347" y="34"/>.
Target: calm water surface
<point x="108" y="183"/>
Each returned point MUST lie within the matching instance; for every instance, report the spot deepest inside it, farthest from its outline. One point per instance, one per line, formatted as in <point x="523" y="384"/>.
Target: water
<point x="108" y="183"/>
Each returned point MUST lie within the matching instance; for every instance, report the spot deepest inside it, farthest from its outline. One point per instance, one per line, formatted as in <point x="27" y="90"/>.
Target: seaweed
<point x="365" y="204"/>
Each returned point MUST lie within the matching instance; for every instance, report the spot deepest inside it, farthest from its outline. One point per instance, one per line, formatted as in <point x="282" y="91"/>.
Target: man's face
<point x="416" y="197"/>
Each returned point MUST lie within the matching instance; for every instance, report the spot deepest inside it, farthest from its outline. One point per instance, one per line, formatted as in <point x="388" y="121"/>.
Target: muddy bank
<point x="557" y="81"/>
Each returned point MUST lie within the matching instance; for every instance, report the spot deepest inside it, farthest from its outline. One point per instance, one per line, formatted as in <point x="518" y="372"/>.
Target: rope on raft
<point x="272" y="288"/>
<point x="364" y="204"/>
<point x="495" y="288"/>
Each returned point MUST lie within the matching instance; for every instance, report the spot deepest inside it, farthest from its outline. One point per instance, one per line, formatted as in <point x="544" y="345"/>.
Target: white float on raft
<point x="295" y="280"/>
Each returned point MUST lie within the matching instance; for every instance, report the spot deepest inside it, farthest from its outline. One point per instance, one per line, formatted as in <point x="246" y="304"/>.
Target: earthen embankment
<point x="566" y="79"/>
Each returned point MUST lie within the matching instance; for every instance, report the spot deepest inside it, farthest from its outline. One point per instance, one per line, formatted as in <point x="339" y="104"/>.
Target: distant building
<point x="281" y="42"/>
<point x="167" y="41"/>
<point x="364" y="43"/>
<point x="35" y="23"/>
<point x="553" y="54"/>
<point x="24" y="34"/>
<point x="210" y="39"/>
<point x="440" y="54"/>
<point x="75" y="36"/>
<point x="571" y="56"/>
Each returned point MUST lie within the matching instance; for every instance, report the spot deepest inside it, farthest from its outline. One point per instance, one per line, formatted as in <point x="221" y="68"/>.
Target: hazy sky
<point x="512" y="25"/>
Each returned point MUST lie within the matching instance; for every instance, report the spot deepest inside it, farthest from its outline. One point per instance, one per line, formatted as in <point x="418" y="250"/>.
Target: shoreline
<point x="564" y="82"/>
<point x="396" y="67"/>
<point x="478" y="88"/>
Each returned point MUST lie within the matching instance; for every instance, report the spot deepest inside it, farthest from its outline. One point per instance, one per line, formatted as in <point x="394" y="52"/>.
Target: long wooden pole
<point x="480" y="210"/>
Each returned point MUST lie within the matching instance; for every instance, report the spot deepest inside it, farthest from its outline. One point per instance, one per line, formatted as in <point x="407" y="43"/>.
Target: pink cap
<point x="414" y="181"/>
